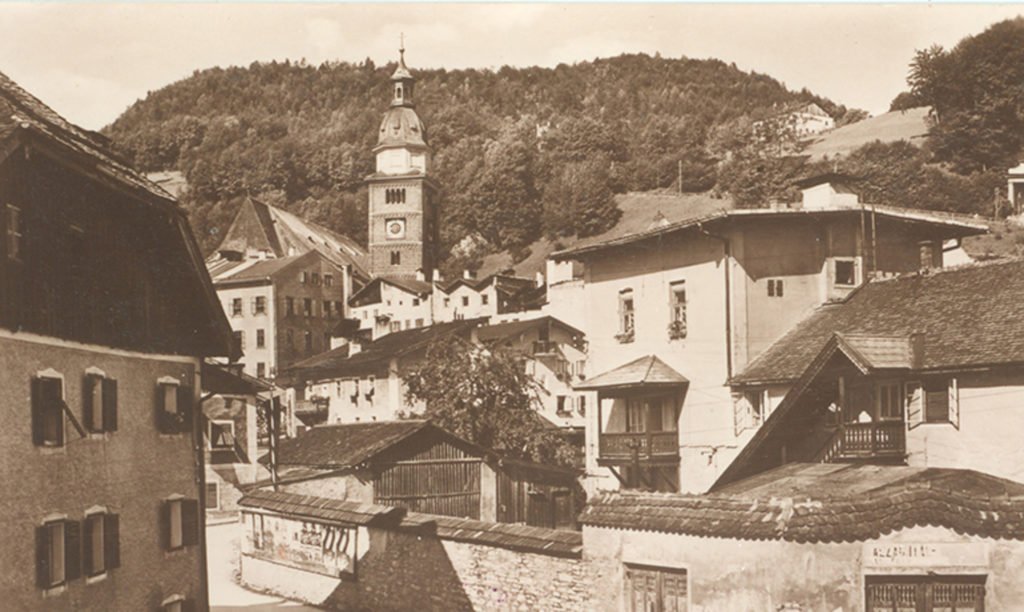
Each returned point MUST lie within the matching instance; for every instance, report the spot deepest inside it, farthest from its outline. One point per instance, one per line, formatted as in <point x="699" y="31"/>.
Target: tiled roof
<point x="21" y="110"/>
<point x="347" y="445"/>
<point x="322" y="508"/>
<point x="646" y="371"/>
<point x="962" y="313"/>
<point x="516" y="537"/>
<point x="953" y="226"/>
<point x="338" y="363"/>
<point x="559" y="542"/>
<point x="825" y="503"/>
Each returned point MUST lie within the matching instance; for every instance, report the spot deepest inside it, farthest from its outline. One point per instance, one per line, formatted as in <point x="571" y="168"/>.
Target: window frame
<point x="236" y="307"/>
<point x="854" y="271"/>
<point x="631" y="571"/>
<point x="627" y="311"/>
<point x="886" y="388"/>
<point x="261" y="338"/>
<point x="56" y="553"/>
<point x="101" y="410"/>
<point x="219" y="423"/>
<point x="40" y="438"/>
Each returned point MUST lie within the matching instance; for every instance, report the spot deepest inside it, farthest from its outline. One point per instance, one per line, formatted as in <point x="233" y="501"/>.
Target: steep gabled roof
<point x="825" y="502"/>
<point x="964" y="316"/>
<point x="262" y="227"/>
<point x="25" y="118"/>
<point x="647" y="371"/>
<point x="20" y="111"/>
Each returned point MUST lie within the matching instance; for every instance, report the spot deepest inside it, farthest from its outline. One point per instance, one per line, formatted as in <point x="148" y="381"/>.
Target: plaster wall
<point x="741" y="576"/>
<point x="130" y="472"/>
<point x="990" y="407"/>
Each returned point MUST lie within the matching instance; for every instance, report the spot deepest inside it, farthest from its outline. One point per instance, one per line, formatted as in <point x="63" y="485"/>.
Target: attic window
<point x="845" y="272"/>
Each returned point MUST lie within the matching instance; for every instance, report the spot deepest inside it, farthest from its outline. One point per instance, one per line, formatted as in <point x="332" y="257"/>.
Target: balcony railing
<point x="545" y="347"/>
<point x="852" y="441"/>
<point x="651" y="446"/>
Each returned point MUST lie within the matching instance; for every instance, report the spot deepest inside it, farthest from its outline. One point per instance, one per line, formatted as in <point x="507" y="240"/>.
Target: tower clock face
<point x="395" y="228"/>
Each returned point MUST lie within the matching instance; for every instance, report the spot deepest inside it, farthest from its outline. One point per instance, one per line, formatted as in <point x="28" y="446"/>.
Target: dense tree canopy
<point x="301" y="136"/>
<point x="485" y="396"/>
<point x="976" y="93"/>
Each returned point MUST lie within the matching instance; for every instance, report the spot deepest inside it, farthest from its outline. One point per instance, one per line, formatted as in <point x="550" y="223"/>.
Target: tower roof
<point x="402" y="71"/>
<point x="401" y="127"/>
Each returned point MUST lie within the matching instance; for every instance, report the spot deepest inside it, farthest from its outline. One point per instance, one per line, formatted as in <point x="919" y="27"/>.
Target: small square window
<point x="222" y="433"/>
<point x="845" y="272"/>
<point x="465" y="300"/>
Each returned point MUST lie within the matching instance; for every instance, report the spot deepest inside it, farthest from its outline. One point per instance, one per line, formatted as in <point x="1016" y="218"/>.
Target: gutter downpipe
<point x="727" y="252"/>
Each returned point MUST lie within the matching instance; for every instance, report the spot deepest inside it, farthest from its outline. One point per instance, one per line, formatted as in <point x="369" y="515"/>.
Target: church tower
<point x="403" y="197"/>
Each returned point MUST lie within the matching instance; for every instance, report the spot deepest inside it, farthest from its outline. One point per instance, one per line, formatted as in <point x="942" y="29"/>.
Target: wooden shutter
<point x="954" y="403"/>
<point x="72" y="550"/>
<point x="38" y="401"/>
<point x="109" y="404"/>
<point x="88" y="385"/>
<point x="88" y="525"/>
<point x="160" y="416"/>
<point x="42" y="555"/>
<point x="111" y="540"/>
<point x="165" y="525"/>
<point x="915" y="404"/>
<point x="189" y="522"/>
<point x="185" y="401"/>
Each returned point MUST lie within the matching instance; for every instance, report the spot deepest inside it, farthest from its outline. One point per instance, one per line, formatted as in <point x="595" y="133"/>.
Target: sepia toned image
<point x="512" y="307"/>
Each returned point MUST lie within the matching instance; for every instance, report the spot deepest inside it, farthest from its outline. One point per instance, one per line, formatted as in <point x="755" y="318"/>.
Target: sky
<point x="91" y="61"/>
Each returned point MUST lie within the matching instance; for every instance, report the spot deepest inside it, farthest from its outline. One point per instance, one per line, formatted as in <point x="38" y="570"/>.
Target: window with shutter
<point x="655" y="589"/>
<point x="93" y="545"/>
<point x="47" y="411"/>
<point x="99" y="403"/>
<point x="52" y="553"/>
<point x="915" y="404"/>
<point x="190" y="522"/>
<point x="72" y="550"/>
<point x="936" y="400"/>
<point x="111" y="541"/>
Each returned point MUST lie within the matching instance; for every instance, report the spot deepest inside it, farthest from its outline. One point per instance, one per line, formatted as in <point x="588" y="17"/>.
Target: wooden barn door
<point x="440" y="479"/>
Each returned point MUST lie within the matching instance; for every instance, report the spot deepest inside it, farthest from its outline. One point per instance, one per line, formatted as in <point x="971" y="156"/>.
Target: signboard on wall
<point x="314" y="547"/>
<point x="925" y="555"/>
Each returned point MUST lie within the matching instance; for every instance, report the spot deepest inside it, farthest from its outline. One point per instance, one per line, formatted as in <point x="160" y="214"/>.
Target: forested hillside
<point x="519" y="152"/>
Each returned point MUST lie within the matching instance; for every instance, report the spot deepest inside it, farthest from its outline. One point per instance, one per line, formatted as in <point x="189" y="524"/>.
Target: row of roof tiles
<point x="350" y="513"/>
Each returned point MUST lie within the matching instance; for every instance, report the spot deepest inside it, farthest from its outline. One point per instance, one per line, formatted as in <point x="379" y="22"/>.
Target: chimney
<point x="916" y="350"/>
<point x="420" y="275"/>
<point x="539" y="279"/>
<point x="927" y="254"/>
<point x="437" y="275"/>
<point x="466" y="274"/>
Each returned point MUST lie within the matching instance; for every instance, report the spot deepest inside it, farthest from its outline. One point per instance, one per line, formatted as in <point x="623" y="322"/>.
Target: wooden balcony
<point x="883" y="440"/>
<point x="650" y="448"/>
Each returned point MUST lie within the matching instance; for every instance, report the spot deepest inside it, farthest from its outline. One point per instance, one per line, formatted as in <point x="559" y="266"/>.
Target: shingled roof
<point x="346" y="445"/>
<point x="802" y="502"/>
<point x="645" y="371"/>
<point x="963" y="316"/>
<point x="20" y="111"/>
